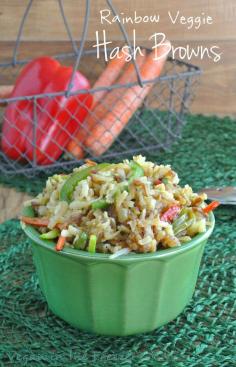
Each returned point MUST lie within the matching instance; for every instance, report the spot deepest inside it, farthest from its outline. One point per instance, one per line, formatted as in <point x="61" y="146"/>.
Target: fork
<point x="225" y="195"/>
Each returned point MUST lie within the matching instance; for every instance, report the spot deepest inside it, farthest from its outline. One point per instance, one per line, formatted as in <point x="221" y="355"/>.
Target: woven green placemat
<point x="203" y="335"/>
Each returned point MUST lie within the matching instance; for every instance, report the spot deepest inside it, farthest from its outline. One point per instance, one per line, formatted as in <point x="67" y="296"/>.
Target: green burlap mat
<point x="203" y="335"/>
<point x="204" y="156"/>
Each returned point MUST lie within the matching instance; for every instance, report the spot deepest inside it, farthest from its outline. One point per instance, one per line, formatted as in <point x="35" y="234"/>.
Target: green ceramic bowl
<point x="131" y="294"/>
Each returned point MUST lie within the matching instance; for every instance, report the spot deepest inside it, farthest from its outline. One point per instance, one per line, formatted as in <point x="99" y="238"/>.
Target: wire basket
<point x="155" y="125"/>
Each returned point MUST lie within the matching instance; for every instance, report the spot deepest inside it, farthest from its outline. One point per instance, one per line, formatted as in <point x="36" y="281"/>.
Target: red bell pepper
<point x="58" y="118"/>
<point x="170" y="214"/>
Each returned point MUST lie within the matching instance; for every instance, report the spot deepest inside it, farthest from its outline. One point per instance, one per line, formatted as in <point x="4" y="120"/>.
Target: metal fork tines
<point x="225" y="195"/>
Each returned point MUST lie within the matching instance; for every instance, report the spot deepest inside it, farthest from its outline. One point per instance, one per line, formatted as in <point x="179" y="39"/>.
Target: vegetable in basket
<point x="104" y="100"/>
<point x="102" y="136"/>
<point x="57" y="118"/>
<point x="108" y="77"/>
<point x="111" y="113"/>
<point x="117" y="208"/>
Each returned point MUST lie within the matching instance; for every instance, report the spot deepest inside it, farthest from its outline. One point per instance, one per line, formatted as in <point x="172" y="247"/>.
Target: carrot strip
<point x="42" y="222"/>
<point x="212" y="206"/>
<point x="38" y="222"/>
<point x="60" y="243"/>
<point x="102" y="108"/>
<point x="103" y="134"/>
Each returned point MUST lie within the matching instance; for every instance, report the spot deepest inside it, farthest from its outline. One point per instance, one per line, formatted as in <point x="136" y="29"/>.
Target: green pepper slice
<point x="92" y="244"/>
<point x="70" y="184"/>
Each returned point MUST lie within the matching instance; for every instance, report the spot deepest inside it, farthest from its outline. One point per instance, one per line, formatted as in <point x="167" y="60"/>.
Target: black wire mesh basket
<point x="155" y="124"/>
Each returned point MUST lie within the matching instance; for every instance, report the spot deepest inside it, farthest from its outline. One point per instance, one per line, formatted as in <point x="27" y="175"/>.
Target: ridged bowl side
<point x="128" y="295"/>
<point x="117" y="299"/>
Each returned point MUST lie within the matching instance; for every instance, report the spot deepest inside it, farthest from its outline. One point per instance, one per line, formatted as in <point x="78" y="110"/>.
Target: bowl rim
<point x="33" y="234"/>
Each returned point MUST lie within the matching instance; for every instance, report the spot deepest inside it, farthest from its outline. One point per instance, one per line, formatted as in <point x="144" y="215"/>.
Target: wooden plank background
<point x="217" y="92"/>
<point x="11" y="203"/>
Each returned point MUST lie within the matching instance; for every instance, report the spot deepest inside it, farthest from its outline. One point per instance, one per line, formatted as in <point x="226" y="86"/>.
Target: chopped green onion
<point x="99" y="204"/>
<point x="54" y="233"/>
<point x="165" y="180"/>
<point x="136" y="171"/>
<point x="182" y="227"/>
<point x="81" y="242"/>
<point x="92" y="244"/>
<point x="189" y="211"/>
<point x="179" y="221"/>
